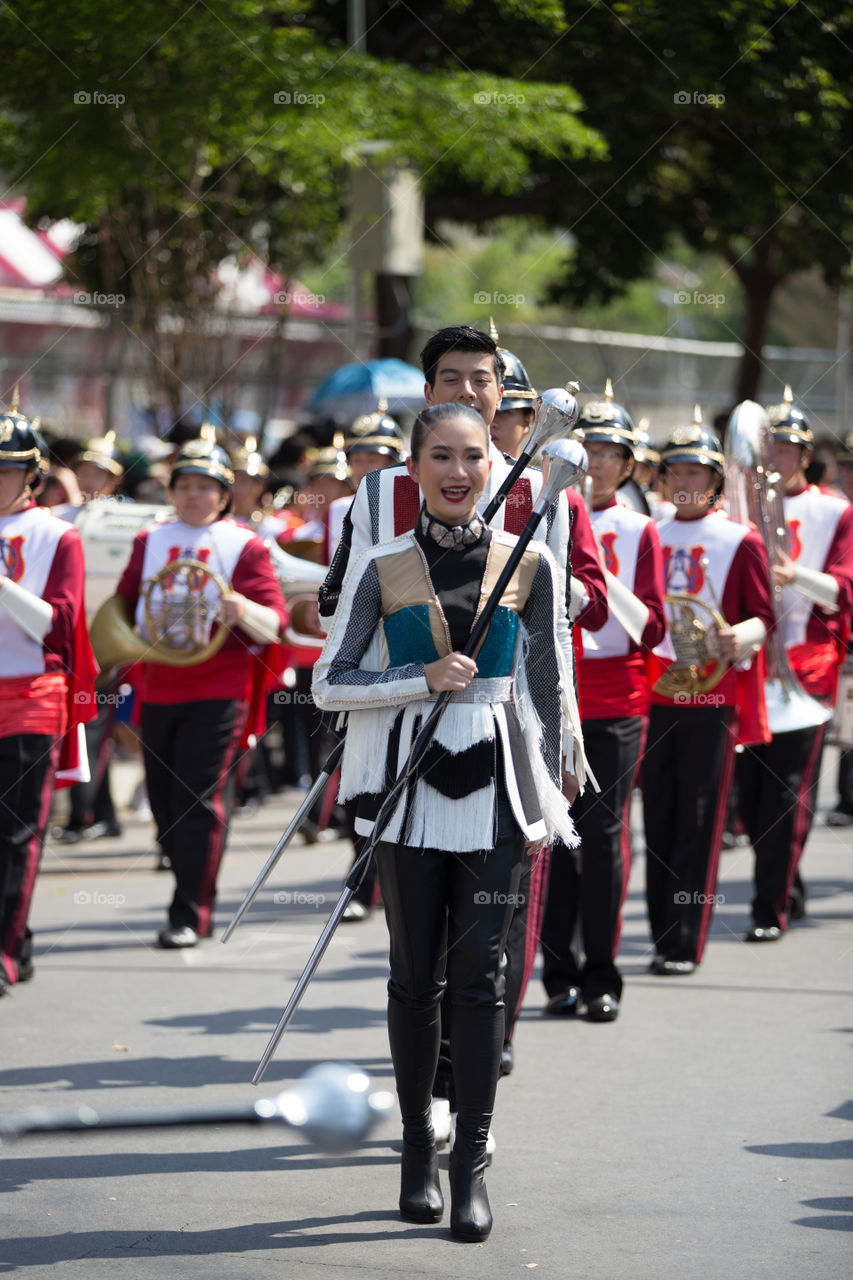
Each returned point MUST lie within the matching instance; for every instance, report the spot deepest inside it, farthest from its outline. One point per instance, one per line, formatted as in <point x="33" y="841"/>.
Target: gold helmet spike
<point x="382" y="405"/>
<point x="110" y="439"/>
<point x="338" y="440"/>
<point x="573" y="387"/>
<point x="493" y="333"/>
<point x="207" y="432"/>
<point x="608" y="390"/>
<point x="16" y="398"/>
<point x="787" y="395"/>
<point x="697" y="415"/>
<point x="643" y="425"/>
<point x="251" y="445"/>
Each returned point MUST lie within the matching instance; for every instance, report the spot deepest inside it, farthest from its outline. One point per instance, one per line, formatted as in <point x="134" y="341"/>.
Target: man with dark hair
<point x="462" y="340"/>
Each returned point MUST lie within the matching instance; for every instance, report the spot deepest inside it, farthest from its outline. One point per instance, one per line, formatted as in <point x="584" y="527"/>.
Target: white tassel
<point x="459" y="826"/>
<point x="552" y="802"/>
<point x="365" y="752"/>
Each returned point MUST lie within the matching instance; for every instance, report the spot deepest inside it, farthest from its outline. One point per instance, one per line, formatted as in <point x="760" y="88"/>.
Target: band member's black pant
<point x="587" y="886"/>
<point x="777" y="786"/>
<point x="448" y="916"/>
<point x="189" y="750"/>
<point x="27" y="766"/>
<point x="686" y="775"/>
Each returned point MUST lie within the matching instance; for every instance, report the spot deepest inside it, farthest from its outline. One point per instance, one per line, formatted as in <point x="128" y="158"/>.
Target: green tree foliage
<point x="728" y="123"/>
<point x="180" y="133"/>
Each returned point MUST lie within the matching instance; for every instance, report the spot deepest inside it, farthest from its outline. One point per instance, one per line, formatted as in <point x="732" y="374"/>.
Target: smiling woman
<point x="450" y="461"/>
<point x="450" y="857"/>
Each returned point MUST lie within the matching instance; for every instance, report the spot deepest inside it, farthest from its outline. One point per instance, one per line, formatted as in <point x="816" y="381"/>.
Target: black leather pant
<point x="448" y="915"/>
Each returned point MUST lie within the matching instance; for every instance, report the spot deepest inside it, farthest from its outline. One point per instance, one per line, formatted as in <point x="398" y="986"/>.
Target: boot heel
<point x="470" y="1213"/>
<point x="420" y="1191"/>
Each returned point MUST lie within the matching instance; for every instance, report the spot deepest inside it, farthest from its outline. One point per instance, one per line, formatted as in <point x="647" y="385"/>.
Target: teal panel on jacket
<point x="408" y="636"/>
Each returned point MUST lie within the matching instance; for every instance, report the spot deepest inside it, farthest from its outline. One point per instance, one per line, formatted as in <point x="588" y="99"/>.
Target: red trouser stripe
<point x="535" y="912"/>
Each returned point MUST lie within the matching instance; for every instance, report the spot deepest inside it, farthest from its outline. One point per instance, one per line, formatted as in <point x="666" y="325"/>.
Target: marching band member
<point x="450" y="860"/>
<point x="195" y="718"/>
<point x="326" y="483"/>
<point x="99" y="469"/>
<point x="509" y="430"/>
<point x="46" y="690"/>
<point x="841" y="815"/>
<point x="586" y="899"/>
<point x="719" y="565"/>
<point x="373" y="442"/>
<point x="777" y="780"/>
<point x="252" y="491"/>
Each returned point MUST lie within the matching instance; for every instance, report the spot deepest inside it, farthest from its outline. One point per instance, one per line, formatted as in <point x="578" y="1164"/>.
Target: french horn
<point x="692" y="626"/>
<point x="180" y="611"/>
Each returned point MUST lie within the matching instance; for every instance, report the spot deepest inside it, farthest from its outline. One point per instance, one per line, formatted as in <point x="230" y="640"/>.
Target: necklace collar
<point x="451" y="537"/>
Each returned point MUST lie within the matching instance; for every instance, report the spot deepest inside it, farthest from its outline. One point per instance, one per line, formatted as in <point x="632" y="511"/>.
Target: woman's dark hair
<point x="428" y="419"/>
<point x="460" y="337"/>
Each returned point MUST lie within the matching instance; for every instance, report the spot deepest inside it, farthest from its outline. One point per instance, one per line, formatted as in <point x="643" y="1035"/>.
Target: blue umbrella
<point x="355" y="388"/>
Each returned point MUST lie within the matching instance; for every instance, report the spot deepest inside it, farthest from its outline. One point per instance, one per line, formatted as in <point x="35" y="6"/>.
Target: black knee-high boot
<point x="476" y="1040"/>
<point x="414" y="1036"/>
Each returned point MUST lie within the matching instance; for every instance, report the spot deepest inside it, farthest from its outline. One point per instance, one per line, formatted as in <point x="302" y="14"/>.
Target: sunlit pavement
<point x="707" y="1133"/>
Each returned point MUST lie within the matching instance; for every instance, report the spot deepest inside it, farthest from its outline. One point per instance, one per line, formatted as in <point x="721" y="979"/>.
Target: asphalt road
<point x="706" y="1134"/>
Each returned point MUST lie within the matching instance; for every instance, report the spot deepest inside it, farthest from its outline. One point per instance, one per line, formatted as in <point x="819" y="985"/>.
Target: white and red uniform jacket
<point x="820" y="536"/>
<point x="47" y="687"/>
<point x="242" y="669"/>
<point x="724" y="564"/>
<point x="612" y="676"/>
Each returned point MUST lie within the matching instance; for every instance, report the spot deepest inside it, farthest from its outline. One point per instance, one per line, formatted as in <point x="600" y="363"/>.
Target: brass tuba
<point x="179" y="619"/>
<point x="754" y="495"/>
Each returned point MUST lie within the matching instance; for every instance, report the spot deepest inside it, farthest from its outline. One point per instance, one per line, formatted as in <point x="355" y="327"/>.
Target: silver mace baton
<point x="290" y="831"/>
<point x="554" y="419"/>
<point x="568" y="462"/>
<point x="333" y="1106"/>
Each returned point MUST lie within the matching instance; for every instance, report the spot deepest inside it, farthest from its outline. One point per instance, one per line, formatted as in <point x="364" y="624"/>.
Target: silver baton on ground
<point x="290" y="831"/>
<point x="568" y="461"/>
<point x="333" y="1106"/>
